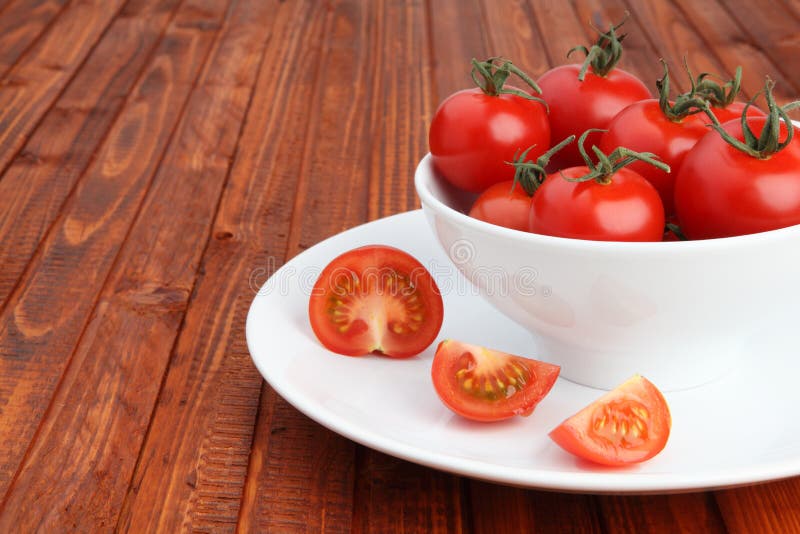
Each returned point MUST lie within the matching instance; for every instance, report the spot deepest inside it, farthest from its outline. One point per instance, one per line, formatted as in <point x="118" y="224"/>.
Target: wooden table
<point x="160" y="158"/>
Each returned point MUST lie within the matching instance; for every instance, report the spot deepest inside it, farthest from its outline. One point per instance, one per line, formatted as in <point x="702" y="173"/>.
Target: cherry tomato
<point x="504" y="204"/>
<point x="733" y="111"/>
<point x="375" y="299"/>
<point x="576" y="106"/>
<point x="627" y="425"/>
<point x="474" y="134"/>
<point x="644" y="127"/>
<point x="721" y="191"/>
<point x="626" y="208"/>
<point x="488" y="385"/>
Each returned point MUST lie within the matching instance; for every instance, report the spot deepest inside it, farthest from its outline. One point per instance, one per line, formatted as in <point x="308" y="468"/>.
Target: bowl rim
<point x="424" y="174"/>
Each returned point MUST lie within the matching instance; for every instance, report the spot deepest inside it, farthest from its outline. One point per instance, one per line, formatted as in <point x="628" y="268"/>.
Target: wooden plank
<point x="396" y="496"/>
<point x="21" y="23"/>
<point x="674" y="38"/>
<point x="35" y="82"/>
<point x="128" y="342"/>
<point x="62" y="145"/>
<point x="640" y="56"/>
<point x="772" y="29"/>
<point x="202" y="427"/>
<point x="45" y="316"/>
<point x="505" y="509"/>
<point x="687" y="513"/>
<point x="558" y="25"/>
<point x="457" y="35"/>
<point x="768" y="508"/>
<point x="510" y="27"/>
<point x="728" y="40"/>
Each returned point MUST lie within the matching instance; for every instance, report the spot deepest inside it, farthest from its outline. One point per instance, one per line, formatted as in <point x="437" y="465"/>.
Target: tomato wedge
<point x="488" y="385"/>
<point x="627" y="425"/>
<point x="376" y="299"/>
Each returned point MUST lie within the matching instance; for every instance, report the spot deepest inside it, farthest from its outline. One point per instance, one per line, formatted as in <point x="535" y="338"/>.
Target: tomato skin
<point x="642" y="428"/>
<point x="643" y="127"/>
<point x="504" y="204"/>
<point x="577" y="106"/>
<point x="473" y="135"/>
<point x="733" y="111"/>
<point x="382" y="284"/>
<point x="626" y="209"/>
<point x="723" y="192"/>
<point x="461" y="372"/>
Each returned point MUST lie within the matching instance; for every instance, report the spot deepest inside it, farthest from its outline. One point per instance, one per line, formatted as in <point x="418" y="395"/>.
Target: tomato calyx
<point x="529" y="174"/>
<point x="608" y="164"/>
<point x="491" y="78"/>
<point x="768" y="143"/>
<point x="604" y="55"/>
<point x="718" y="95"/>
<point x="685" y="104"/>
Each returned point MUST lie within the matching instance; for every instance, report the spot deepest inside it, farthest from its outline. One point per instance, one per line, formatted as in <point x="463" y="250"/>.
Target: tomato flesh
<point x="488" y="385"/>
<point x="376" y="299"/>
<point x="628" y="425"/>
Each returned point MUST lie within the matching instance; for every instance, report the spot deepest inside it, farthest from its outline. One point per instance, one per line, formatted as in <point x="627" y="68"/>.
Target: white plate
<point x="738" y="430"/>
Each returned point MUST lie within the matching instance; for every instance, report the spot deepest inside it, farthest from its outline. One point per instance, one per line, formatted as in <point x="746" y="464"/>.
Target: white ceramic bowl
<point x="678" y="313"/>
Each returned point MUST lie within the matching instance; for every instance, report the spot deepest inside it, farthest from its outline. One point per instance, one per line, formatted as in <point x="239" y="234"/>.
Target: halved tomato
<point x="376" y="299"/>
<point x="627" y="425"/>
<point x="488" y="385"/>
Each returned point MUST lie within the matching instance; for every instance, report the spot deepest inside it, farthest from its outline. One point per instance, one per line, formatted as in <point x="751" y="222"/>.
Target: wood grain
<point x="37" y="78"/>
<point x="211" y="392"/>
<point x="63" y="144"/>
<point x="137" y="318"/>
<point x="16" y="38"/>
<point x="45" y="316"/>
<point x="159" y="159"/>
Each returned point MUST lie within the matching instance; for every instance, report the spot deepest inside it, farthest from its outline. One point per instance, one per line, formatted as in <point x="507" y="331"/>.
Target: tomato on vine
<point x="603" y="201"/>
<point x="588" y="96"/>
<point x="660" y="126"/>
<point x="475" y="131"/>
<point x="508" y="203"/>
<point x="742" y="178"/>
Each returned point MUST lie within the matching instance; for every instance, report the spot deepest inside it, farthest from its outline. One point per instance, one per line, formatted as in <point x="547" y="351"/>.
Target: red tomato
<point x="627" y="425"/>
<point x="504" y="204"/>
<point x="576" y="106"/>
<point x="375" y="299"/>
<point x="474" y="134"/>
<point x="626" y="208"/>
<point x="488" y="385"/>
<point x="733" y="111"/>
<point x="643" y="127"/>
<point x="721" y="191"/>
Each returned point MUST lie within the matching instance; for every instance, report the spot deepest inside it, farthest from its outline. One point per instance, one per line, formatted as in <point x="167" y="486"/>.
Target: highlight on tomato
<point x="742" y="178"/>
<point x="483" y="384"/>
<point x="508" y="203"/>
<point x="588" y="96"/>
<point x="603" y="201"/>
<point x="627" y="425"/>
<point x="475" y="131"/>
<point x="376" y="299"/>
